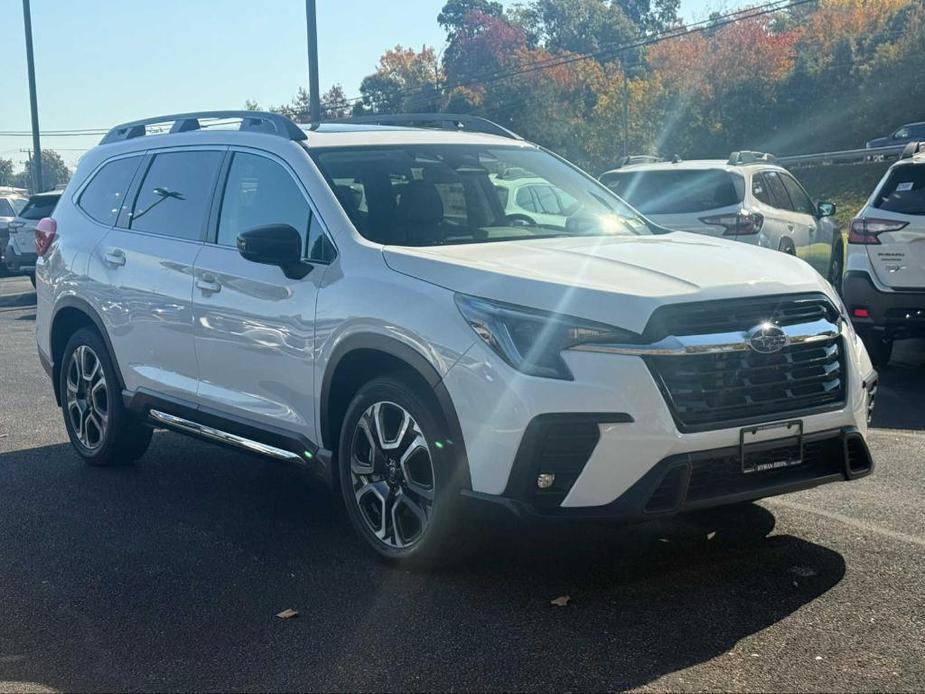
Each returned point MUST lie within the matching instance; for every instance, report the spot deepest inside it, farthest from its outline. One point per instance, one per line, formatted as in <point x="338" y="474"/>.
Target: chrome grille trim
<point x="817" y="331"/>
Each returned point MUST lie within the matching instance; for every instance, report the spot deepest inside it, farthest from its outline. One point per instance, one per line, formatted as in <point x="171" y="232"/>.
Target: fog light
<point x="545" y="480"/>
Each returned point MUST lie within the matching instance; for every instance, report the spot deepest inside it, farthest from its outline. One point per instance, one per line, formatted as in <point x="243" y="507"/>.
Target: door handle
<point x="115" y="257"/>
<point x="208" y="283"/>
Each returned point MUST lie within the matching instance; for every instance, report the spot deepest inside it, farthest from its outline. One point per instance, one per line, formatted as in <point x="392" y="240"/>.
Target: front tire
<point x="101" y="430"/>
<point x="398" y="475"/>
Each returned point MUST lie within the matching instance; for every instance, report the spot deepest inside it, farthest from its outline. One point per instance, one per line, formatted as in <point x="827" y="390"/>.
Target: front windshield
<point x="430" y="195"/>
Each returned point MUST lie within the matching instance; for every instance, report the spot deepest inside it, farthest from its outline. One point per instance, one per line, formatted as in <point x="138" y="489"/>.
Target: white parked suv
<point x="747" y="198"/>
<point x="353" y="298"/>
<point x="884" y="282"/>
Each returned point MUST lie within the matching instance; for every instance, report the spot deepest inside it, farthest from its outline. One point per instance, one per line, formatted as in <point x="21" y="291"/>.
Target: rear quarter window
<point x="904" y="191"/>
<point x="104" y="196"/>
<point x="678" y="192"/>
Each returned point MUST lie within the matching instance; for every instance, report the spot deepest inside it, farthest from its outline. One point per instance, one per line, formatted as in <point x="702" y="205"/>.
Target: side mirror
<point x="275" y="244"/>
<point x="825" y="209"/>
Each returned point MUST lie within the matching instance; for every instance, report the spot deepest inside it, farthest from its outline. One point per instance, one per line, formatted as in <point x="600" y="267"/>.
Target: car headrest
<point x="420" y="203"/>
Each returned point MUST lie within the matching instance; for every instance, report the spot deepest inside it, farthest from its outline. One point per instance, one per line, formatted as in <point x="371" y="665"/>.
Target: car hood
<point x="615" y="280"/>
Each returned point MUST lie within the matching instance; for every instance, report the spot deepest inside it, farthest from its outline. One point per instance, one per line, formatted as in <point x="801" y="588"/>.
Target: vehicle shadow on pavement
<point x="168" y="574"/>
<point x="901" y="392"/>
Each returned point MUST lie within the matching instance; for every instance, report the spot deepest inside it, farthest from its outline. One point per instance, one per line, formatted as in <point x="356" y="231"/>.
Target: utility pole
<point x="33" y="102"/>
<point x="312" y="26"/>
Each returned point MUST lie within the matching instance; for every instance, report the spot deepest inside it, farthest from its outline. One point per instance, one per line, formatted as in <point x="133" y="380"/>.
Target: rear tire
<point x="399" y="476"/>
<point x="101" y="430"/>
<point x="879" y="348"/>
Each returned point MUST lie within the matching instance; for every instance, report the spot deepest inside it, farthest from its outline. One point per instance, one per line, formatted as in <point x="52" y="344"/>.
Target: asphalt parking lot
<point x="167" y="575"/>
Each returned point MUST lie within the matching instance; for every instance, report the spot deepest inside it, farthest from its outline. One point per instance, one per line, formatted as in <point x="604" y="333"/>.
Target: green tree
<point x="6" y="172"/>
<point x="453" y="15"/>
<point x="54" y="172"/>
<point x="581" y="26"/>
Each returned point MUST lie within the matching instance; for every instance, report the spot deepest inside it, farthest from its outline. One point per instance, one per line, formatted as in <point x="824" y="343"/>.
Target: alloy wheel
<point x="87" y="397"/>
<point x="392" y="474"/>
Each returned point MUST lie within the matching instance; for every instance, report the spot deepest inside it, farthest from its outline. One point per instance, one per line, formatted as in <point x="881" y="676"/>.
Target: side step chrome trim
<point x="190" y="427"/>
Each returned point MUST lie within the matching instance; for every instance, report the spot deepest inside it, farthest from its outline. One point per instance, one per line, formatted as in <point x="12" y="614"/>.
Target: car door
<point x="773" y="203"/>
<point x="254" y="326"/>
<point x="814" y="236"/>
<point x="789" y="234"/>
<point x="144" y="269"/>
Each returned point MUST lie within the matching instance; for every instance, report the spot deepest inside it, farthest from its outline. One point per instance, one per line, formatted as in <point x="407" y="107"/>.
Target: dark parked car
<point x="910" y="132"/>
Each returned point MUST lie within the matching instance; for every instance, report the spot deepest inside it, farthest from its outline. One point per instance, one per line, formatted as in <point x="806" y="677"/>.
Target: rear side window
<point x="677" y="192"/>
<point x="176" y="194"/>
<point x="6" y="209"/>
<point x="39" y="208"/>
<point x="904" y="191"/>
<point x="103" y="198"/>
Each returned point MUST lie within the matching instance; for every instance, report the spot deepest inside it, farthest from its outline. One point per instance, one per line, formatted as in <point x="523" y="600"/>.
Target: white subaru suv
<point x="353" y="298"/>
<point x="884" y="282"/>
<point x="747" y="198"/>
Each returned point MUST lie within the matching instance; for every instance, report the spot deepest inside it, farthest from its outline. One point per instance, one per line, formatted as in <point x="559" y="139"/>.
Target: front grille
<point x="707" y="390"/>
<point x="736" y="315"/>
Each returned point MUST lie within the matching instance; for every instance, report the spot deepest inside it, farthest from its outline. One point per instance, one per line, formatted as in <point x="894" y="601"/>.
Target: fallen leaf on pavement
<point x="288" y="614"/>
<point x="561" y="601"/>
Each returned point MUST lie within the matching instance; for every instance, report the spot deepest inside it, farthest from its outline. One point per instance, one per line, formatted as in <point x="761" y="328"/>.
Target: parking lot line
<point x="848" y="520"/>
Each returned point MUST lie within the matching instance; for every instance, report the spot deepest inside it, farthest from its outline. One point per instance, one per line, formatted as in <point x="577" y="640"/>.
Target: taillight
<point x="866" y="230"/>
<point x="45" y="232"/>
<point x="740" y="224"/>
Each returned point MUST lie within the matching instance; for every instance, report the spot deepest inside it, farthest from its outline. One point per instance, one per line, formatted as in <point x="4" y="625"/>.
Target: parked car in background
<point x="746" y="198"/>
<point x="19" y="253"/>
<point x="910" y="132"/>
<point x="530" y="200"/>
<point x="884" y="282"/>
<point x="11" y="203"/>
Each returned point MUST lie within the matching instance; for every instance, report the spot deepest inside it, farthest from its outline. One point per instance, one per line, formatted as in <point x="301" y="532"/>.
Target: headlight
<point x="532" y="341"/>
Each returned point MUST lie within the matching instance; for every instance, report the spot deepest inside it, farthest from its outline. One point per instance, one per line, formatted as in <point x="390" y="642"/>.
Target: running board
<point x="207" y="432"/>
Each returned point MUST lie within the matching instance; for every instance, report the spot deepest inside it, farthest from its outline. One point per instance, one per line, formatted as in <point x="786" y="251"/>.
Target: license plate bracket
<point x="771" y="452"/>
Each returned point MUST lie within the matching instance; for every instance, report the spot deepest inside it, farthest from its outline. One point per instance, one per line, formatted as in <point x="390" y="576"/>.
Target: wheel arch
<point x="361" y="357"/>
<point x="70" y="315"/>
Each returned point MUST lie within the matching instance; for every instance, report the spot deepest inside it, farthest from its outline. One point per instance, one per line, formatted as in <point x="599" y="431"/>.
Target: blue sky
<point x="99" y="62"/>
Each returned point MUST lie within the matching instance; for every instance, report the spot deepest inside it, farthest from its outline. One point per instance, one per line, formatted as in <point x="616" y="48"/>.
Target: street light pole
<point x="33" y="102"/>
<point x="312" y="26"/>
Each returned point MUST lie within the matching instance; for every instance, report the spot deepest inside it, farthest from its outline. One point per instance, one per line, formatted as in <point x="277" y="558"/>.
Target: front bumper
<point x="611" y="425"/>
<point x="703" y="479"/>
<point x="897" y="313"/>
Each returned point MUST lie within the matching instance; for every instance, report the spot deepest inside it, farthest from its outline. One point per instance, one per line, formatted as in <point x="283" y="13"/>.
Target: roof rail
<point x="255" y="121"/>
<point x="638" y="159"/>
<point x="440" y="121"/>
<point x="748" y="157"/>
<point x="912" y="149"/>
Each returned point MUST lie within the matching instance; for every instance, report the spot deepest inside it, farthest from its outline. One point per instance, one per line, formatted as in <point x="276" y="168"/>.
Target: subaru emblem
<point x="767" y="338"/>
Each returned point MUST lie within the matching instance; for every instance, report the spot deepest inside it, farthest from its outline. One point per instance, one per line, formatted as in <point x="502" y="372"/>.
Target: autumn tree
<point x="405" y="80"/>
